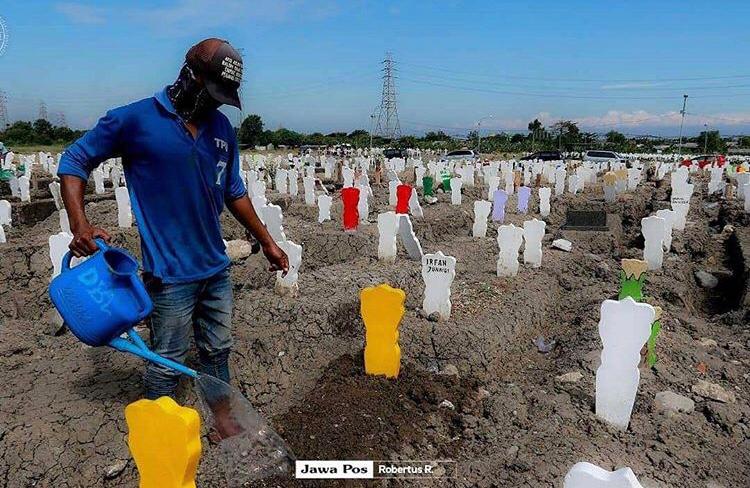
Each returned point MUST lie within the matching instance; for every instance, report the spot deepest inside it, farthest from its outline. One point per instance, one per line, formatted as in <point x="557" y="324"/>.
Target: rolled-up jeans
<point x="203" y="306"/>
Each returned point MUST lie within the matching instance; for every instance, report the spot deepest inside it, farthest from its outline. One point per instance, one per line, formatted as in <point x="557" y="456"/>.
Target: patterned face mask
<point x="190" y="98"/>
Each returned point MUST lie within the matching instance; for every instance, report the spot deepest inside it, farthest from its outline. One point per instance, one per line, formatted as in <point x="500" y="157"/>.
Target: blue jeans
<point x="204" y="306"/>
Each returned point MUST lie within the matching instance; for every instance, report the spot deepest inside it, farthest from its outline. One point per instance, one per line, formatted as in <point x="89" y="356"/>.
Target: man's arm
<point x="73" y="188"/>
<point x="76" y="164"/>
<point x="243" y="211"/>
<point x="235" y="197"/>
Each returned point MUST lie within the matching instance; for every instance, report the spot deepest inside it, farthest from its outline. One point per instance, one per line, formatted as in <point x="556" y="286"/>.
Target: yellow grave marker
<point x="610" y="178"/>
<point x="382" y="308"/>
<point x="164" y="439"/>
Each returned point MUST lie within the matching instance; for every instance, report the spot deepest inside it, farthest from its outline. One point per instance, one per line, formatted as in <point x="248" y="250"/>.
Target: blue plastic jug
<point x="102" y="297"/>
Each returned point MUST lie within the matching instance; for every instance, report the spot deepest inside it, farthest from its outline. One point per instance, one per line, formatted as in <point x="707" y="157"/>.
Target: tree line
<point x="39" y="132"/>
<point x="564" y="135"/>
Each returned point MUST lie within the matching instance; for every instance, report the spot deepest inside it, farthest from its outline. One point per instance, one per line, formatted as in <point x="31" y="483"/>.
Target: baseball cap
<point x="220" y="65"/>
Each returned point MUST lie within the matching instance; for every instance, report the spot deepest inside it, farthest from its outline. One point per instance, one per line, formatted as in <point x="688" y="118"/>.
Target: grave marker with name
<point x="438" y="272"/>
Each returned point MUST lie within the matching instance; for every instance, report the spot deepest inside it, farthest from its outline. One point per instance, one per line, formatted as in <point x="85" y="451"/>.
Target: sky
<point x="316" y="65"/>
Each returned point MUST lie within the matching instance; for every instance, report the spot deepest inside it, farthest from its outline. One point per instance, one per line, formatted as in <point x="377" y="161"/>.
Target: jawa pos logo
<point x="3" y="35"/>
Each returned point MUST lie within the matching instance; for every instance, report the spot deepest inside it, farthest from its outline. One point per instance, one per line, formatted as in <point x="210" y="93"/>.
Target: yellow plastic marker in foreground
<point x="382" y="308"/>
<point x="164" y="439"/>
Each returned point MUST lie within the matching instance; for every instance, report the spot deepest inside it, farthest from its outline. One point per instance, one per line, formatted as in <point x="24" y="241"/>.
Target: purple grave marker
<point x="524" y="193"/>
<point x="498" y="206"/>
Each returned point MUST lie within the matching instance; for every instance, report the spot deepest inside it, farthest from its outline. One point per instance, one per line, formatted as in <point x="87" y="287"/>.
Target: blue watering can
<point x="102" y="298"/>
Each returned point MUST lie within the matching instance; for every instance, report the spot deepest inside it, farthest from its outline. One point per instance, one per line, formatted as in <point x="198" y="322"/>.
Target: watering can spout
<point x="136" y="346"/>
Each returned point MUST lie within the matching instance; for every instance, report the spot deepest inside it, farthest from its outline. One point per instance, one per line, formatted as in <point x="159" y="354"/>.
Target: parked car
<point x="602" y="156"/>
<point x="544" y="156"/>
<point x="391" y="153"/>
<point x="461" y="155"/>
<point x="706" y="160"/>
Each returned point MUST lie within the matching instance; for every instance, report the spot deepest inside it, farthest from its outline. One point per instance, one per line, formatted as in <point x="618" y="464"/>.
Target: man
<point x="182" y="166"/>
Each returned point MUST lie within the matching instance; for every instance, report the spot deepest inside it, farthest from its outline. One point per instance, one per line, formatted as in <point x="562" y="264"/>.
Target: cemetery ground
<point x="474" y="388"/>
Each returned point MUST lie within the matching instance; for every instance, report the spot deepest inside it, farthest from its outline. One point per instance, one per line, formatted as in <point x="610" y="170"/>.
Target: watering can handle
<point x="68" y="256"/>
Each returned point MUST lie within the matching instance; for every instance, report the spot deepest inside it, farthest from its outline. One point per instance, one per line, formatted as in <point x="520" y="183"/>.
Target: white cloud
<point x="642" y="118"/>
<point x="619" y="120"/>
<point x="81" y="13"/>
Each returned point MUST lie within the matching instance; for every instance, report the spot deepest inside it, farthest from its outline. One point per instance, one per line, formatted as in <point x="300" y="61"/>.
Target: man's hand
<point x="83" y="243"/>
<point x="276" y="257"/>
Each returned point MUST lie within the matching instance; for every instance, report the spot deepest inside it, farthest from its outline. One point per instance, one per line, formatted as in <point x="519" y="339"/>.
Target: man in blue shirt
<point x="181" y="163"/>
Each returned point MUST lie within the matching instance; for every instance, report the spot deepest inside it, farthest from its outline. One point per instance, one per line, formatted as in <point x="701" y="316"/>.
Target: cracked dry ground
<point x="300" y="360"/>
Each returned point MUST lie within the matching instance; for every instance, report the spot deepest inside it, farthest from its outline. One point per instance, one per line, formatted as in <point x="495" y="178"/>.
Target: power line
<point x="388" y="125"/>
<point x="563" y="95"/>
<point x="583" y="80"/>
<point x="463" y="79"/>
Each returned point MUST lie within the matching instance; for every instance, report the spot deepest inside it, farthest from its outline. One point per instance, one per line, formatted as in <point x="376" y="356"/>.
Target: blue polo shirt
<point x="177" y="184"/>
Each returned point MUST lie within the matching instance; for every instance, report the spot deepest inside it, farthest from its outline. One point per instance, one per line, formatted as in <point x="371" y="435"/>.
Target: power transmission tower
<point x="42" y="110"/>
<point x="4" y="120"/>
<point x="60" y="119"/>
<point x="388" y="125"/>
<point x="682" y="121"/>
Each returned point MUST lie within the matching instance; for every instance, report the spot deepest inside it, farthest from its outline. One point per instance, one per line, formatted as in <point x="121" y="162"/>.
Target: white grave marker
<point x="15" y="189"/>
<point x="348" y="175"/>
<point x="324" y="208"/>
<point x="286" y="284"/>
<point x="388" y="226"/>
<point x="58" y="246"/>
<point x="23" y="186"/>
<point x="309" y="185"/>
<point x="482" y="209"/>
<point x="409" y="238"/>
<point x="392" y="198"/>
<point x="281" y="180"/>
<point x="293" y="186"/>
<point x="98" y="175"/>
<point x="654" y="229"/>
<point x="668" y="216"/>
<point x="587" y="475"/>
<point x="54" y="189"/>
<point x="5" y="213"/>
<point x="533" y="232"/>
<point x="273" y="219"/>
<point x="363" y="204"/>
<point x="456" y="184"/>
<point x="124" y="217"/>
<point x="509" y="239"/>
<point x="64" y="222"/>
<point x="438" y="272"/>
<point x="544" y="195"/>
<point x="415" y="208"/>
<point x="624" y="328"/>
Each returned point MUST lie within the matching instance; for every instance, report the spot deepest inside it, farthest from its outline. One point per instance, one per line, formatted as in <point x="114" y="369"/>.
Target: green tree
<point x="567" y="134"/>
<point x="20" y="132"/>
<point x="617" y="138"/>
<point x="251" y="130"/>
<point x="436" y="136"/>
<point x="712" y="141"/>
